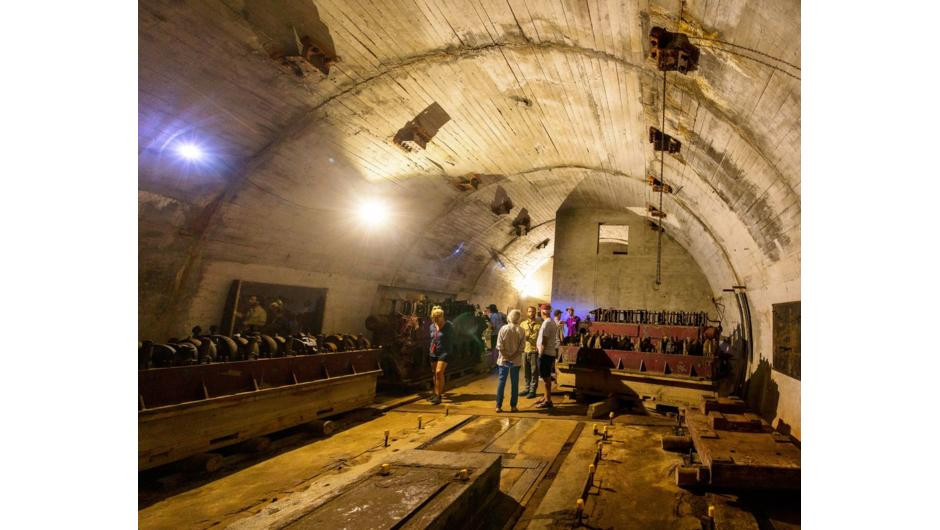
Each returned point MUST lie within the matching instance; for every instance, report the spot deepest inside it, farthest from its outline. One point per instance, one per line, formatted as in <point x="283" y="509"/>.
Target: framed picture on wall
<point x="273" y="308"/>
<point x="787" y="339"/>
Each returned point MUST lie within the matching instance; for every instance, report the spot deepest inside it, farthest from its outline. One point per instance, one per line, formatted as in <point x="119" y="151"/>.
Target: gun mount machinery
<point x="669" y="358"/>
<point x="403" y="333"/>
<point x="188" y="410"/>
<point x="209" y="391"/>
<point x="200" y="348"/>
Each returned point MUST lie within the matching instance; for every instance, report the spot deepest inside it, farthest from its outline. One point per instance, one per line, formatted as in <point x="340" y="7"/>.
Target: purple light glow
<point x="190" y="151"/>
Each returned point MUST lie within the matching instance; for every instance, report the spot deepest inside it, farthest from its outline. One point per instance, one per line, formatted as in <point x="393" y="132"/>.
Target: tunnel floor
<point x="545" y="459"/>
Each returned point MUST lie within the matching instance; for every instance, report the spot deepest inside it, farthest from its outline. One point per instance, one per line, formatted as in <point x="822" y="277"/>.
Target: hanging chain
<point x="662" y="175"/>
<point x="662" y="186"/>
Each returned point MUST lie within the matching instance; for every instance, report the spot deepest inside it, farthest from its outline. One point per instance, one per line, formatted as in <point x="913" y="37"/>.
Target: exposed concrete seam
<point x="211" y="212"/>
<point x="743" y="133"/>
<point x="450" y="53"/>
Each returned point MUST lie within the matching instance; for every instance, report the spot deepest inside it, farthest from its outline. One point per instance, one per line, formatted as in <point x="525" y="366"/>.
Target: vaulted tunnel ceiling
<point x="549" y="99"/>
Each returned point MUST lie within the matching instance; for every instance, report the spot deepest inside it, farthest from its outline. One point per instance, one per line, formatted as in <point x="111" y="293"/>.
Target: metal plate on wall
<point x="787" y="339"/>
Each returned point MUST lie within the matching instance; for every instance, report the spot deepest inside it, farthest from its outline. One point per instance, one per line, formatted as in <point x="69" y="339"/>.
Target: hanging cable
<point x="752" y="50"/>
<point x="777" y="68"/>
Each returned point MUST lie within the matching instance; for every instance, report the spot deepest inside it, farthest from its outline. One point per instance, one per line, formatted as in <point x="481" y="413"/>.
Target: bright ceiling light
<point x="527" y="286"/>
<point x="373" y="213"/>
<point x="190" y="151"/>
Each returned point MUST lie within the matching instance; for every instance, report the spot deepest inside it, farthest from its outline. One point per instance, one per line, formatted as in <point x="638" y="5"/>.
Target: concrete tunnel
<point x="380" y="157"/>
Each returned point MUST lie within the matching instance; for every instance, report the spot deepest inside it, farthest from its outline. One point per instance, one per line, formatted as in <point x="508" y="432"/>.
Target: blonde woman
<point x="509" y="344"/>
<point x="442" y="339"/>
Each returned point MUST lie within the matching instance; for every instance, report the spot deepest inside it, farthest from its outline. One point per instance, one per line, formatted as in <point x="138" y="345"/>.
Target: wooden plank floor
<point x="545" y="458"/>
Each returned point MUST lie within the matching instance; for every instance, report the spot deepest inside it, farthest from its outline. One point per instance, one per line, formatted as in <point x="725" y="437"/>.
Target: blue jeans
<point x="513" y="372"/>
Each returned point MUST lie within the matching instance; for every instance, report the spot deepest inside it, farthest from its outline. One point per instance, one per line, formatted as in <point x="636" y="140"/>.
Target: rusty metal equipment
<point x="663" y="142"/>
<point x="522" y="223"/>
<point x="736" y="449"/>
<point x="674" y="364"/>
<point x="320" y="59"/>
<point x="646" y="316"/>
<point x="403" y="332"/>
<point x="652" y="363"/>
<point x="208" y="348"/>
<point x="672" y="51"/>
<point x="416" y="134"/>
<point x="469" y="182"/>
<point x="189" y="410"/>
<point x="501" y="204"/>
<point x="658" y="185"/>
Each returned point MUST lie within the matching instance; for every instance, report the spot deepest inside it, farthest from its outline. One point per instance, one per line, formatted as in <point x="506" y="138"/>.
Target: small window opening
<point x="612" y="240"/>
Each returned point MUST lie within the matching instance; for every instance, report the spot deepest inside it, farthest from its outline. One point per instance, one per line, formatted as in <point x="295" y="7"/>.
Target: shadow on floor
<point x="462" y="398"/>
<point x="159" y="483"/>
<point x="502" y="511"/>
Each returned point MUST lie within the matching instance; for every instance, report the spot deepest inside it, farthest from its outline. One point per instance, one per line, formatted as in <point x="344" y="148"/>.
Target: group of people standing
<point x="529" y="345"/>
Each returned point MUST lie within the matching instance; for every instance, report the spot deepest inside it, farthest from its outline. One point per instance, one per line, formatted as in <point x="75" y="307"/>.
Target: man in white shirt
<point x="548" y="349"/>
<point x="509" y="344"/>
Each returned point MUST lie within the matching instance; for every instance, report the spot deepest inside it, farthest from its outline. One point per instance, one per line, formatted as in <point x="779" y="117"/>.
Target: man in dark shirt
<point x="497" y="321"/>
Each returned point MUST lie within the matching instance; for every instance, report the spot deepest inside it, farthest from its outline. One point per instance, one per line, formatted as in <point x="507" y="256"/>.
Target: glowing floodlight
<point x="527" y="286"/>
<point x="373" y="213"/>
<point x="190" y="151"/>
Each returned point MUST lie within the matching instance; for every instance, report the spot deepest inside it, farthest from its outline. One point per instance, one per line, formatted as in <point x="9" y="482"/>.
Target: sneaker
<point x="435" y="400"/>
<point x="530" y="395"/>
<point x="513" y="409"/>
<point x="499" y="409"/>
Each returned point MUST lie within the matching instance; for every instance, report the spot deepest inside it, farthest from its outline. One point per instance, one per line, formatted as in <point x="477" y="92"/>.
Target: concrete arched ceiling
<point x="550" y="99"/>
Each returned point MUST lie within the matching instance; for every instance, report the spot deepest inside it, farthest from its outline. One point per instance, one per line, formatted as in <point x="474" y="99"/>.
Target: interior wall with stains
<point x="586" y="279"/>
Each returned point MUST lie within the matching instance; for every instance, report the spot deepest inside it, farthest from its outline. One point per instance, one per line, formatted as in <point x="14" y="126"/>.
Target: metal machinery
<point x="200" y="348"/>
<point x="662" y="358"/>
<point x="733" y="448"/>
<point x="189" y="405"/>
<point x="403" y="333"/>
